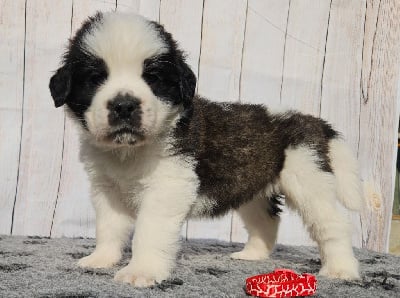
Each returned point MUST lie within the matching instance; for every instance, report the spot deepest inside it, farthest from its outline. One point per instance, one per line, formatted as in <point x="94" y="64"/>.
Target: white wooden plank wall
<point x="12" y="34"/>
<point x="219" y="78"/>
<point x="337" y="59"/>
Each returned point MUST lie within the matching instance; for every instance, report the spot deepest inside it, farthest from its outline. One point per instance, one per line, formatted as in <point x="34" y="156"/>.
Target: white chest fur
<point x="133" y="173"/>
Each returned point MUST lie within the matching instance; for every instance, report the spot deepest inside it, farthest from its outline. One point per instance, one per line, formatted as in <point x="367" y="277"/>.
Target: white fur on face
<point x="124" y="42"/>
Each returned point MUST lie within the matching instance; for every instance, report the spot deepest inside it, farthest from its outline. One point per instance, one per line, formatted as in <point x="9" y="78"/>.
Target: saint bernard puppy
<point x="157" y="153"/>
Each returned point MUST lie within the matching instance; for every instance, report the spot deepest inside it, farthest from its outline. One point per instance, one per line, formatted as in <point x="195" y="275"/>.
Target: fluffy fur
<point x="156" y="154"/>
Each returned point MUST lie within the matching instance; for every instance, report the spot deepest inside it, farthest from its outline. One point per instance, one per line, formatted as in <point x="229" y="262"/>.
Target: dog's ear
<point x="60" y="85"/>
<point x="187" y="84"/>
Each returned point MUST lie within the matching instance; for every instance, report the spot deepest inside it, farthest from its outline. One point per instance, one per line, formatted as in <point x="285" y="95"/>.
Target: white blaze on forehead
<point x="124" y="40"/>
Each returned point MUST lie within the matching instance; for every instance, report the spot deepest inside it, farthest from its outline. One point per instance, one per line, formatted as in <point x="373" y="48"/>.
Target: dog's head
<point x="124" y="78"/>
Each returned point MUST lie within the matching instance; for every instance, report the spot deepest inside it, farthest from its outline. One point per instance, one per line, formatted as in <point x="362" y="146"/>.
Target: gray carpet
<point x="41" y="267"/>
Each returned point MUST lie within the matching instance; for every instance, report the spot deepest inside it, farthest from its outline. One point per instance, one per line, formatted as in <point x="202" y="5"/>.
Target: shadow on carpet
<point x="41" y="267"/>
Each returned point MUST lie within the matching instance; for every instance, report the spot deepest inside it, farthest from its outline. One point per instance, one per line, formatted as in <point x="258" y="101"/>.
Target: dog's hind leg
<point x="261" y="227"/>
<point x="312" y="192"/>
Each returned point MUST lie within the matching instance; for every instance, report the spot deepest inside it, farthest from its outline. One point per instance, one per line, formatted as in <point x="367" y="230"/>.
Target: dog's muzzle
<point x="124" y="118"/>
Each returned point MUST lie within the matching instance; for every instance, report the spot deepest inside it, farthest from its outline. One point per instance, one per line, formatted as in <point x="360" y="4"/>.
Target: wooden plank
<point x="263" y="51"/>
<point x="43" y="126"/>
<point x="379" y="118"/>
<point x="147" y="8"/>
<point x="340" y="102"/>
<point x="74" y="215"/>
<point x="301" y="84"/>
<point x="12" y="31"/>
<point x="221" y="49"/>
<point x="342" y="69"/>
<point x="183" y="19"/>
<point x="219" y="77"/>
<point x="304" y="55"/>
<point x="262" y="65"/>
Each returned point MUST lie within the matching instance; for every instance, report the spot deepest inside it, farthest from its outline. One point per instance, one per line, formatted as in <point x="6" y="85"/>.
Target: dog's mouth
<point x="125" y="136"/>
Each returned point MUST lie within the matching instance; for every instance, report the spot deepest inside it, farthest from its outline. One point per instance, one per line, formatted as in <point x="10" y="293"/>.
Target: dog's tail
<point x="345" y="168"/>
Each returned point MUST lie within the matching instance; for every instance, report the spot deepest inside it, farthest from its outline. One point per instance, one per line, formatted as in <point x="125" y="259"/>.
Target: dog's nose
<point x="123" y="106"/>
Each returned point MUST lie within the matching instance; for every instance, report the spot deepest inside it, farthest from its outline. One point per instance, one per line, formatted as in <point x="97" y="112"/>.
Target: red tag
<point x="281" y="283"/>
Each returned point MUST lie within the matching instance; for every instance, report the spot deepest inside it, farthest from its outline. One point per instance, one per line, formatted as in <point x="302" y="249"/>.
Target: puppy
<point x="157" y="154"/>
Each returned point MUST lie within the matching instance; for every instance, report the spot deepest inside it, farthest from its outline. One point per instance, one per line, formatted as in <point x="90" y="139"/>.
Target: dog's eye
<point x="96" y="78"/>
<point x="151" y="78"/>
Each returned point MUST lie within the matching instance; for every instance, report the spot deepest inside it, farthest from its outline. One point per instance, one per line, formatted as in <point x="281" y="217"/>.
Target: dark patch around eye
<point x="87" y="76"/>
<point x="151" y="78"/>
<point x="162" y="75"/>
<point x="97" y="78"/>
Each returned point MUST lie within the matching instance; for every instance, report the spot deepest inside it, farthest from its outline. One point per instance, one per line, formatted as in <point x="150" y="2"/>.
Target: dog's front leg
<point x="157" y="231"/>
<point x="113" y="226"/>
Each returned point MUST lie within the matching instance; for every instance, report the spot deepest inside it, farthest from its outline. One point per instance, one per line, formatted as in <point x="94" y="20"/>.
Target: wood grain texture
<point x="262" y="65"/>
<point x="42" y="131"/>
<point x="304" y="55"/>
<point x="12" y="32"/>
<point x="74" y="215"/>
<point x="221" y="49"/>
<point x="219" y="78"/>
<point x="301" y="83"/>
<point x="340" y="101"/>
<point x="263" y="51"/>
<point x="342" y="68"/>
<point x="184" y="20"/>
<point x="379" y="118"/>
<point x="147" y="8"/>
<point x="296" y="67"/>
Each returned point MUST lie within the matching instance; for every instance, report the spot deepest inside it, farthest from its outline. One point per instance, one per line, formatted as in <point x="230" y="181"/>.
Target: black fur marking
<point x="240" y="148"/>
<point x="274" y="203"/>
<point x="77" y="80"/>
<point x="168" y="75"/>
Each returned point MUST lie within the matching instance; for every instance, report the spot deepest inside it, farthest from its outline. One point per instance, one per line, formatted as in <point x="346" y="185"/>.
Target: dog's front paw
<point x="250" y="255"/>
<point x="343" y="269"/>
<point x="129" y="275"/>
<point x="100" y="259"/>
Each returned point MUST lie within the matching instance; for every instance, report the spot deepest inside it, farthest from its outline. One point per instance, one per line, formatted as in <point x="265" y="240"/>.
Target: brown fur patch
<point x="240" y="148"/>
